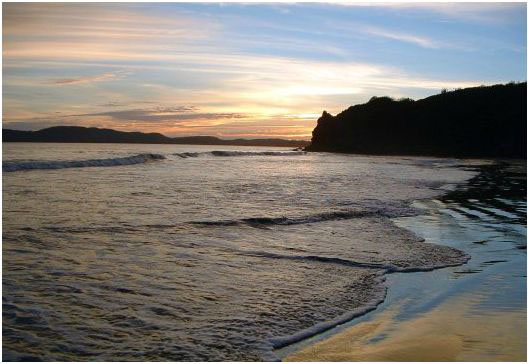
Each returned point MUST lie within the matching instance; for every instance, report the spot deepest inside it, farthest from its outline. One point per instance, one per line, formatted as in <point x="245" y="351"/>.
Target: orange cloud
<point x="70" y="81"/>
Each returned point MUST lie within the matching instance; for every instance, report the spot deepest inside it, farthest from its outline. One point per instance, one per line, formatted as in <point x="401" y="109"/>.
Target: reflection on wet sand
<point x="450" y="332"/>
<point x="475" y="312"/>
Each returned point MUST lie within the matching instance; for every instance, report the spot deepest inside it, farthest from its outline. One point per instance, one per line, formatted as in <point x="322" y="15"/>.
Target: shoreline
<point x="282" y="345"/>
<point x="431" y="331"/>
<point x="372" y="336"/>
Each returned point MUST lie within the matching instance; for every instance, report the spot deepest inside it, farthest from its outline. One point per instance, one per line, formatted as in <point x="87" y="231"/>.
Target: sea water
<point x="473" y="312"/>
<point x="176" y="252"/>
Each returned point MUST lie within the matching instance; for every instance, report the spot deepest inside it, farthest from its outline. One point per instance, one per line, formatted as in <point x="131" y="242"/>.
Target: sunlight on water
<point x="474" y="312"/>
<point x="204" y="257"/>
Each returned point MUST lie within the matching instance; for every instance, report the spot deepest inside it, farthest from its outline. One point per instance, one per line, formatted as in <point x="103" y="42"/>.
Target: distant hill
<point x="481" y="122"/>
<point x="78" y="134"/>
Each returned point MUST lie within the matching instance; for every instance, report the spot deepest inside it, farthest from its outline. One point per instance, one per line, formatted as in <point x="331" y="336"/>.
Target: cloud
<point x="86" y="79"/>
<point x="123" y="104"/>
<point x="113" y="104"/>
<point x="110" y="22"/>
<point x="476" y="12"/>
<point x="164" y="114"/>
<point x="403" y="37"/>
<point x="224" y="67"/>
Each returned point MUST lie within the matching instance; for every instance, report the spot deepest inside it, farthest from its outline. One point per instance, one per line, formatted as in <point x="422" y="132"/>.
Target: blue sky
<point x="243" y="70"/>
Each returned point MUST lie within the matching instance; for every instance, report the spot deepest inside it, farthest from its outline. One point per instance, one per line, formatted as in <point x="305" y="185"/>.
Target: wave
<point x="385" y="268"/>
<point x="238" y="153"/>
<point x="109" y="162"/>
<point x="187" y="154"/>
<point x="385" y="211"/>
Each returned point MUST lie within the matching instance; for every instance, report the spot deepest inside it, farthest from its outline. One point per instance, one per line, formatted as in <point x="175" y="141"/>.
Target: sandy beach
<point x="451" y="332"/>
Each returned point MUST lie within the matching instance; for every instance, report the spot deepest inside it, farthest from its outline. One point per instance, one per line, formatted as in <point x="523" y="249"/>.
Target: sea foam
<point x="13" y="166"/>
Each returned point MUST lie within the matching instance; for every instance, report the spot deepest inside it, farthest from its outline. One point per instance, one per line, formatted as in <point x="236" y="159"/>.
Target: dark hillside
<point x="78" y="134"/>
<point x="473" y="122"/>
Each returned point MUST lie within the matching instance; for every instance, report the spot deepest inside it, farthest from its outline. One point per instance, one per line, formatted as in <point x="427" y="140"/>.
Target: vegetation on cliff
<point x="488" y="122"/>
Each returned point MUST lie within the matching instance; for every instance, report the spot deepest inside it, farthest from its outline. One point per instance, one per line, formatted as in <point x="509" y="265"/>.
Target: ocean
<point x="194" y="253"/>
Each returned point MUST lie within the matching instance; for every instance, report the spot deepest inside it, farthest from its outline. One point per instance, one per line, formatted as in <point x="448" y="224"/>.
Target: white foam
<point x="281" y="341"/>
<point x="109" y="162"/>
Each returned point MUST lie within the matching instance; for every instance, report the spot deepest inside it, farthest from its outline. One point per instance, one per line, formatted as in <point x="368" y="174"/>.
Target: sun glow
<point x="175" y="68"/>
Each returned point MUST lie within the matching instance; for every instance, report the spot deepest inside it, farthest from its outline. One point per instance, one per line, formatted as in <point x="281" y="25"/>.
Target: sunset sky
<point x="243" y="70"/>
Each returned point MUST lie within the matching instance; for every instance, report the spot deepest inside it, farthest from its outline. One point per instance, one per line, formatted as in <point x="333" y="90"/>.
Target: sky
<point x="236" y="70"/>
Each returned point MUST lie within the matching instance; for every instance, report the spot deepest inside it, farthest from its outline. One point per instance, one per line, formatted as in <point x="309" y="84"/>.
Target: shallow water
<point x="473" y="312"/>
<point x="200" y="255"/>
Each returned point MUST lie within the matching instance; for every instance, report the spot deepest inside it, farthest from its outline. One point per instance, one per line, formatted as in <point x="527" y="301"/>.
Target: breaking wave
<point x="109" y="162"/>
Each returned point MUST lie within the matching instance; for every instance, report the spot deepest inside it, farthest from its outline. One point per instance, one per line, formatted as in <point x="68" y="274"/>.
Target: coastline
<point x="456" y="313"/>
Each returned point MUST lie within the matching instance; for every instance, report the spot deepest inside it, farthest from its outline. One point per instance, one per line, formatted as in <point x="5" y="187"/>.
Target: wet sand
<point x="475" y="312"/>
<point x="450" y="332"/>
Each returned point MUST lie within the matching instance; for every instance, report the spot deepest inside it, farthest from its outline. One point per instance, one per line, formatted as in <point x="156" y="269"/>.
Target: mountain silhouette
<point x="78" y="134"/>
